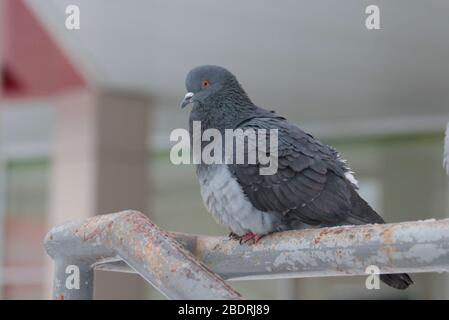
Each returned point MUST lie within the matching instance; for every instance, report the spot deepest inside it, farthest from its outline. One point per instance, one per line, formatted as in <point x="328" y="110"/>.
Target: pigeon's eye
<point x="205" y="84"/>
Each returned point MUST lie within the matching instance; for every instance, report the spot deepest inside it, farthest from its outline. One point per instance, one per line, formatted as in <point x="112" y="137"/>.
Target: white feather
<point x="350" y="176"/>
<point x="446" y="150"/>
<point x="224" y="198"/>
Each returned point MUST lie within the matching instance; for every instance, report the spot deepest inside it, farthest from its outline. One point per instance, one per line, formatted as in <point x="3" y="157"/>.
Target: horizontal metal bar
<point x="412" y="247"/>
<point x="147" y="249"/>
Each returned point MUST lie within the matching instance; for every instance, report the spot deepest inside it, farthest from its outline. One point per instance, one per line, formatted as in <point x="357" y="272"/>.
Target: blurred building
<point x="85" y="117"/>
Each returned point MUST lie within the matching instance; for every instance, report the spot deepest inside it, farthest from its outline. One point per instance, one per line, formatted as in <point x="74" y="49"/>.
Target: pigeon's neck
<point x="225" y="109"/>
<point x="221" y="115"/>
<point x="232" y="94"/>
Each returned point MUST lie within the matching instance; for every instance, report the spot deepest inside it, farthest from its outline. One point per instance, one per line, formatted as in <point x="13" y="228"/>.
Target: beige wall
<point x="99" y="166"/>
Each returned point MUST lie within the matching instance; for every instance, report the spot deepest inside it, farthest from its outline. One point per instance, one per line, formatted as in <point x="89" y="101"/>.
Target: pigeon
<point x="446" y="150"/>
<point x="313" y="186"/>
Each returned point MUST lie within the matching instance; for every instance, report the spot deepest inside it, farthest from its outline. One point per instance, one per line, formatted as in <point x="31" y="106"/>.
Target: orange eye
<point x="205" y="84"/>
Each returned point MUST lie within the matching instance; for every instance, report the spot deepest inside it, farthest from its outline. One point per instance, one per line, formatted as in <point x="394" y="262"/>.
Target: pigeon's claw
<point x="234" y="236"/>
<point x="258" y="237"/>
<point x="254" y="237"/>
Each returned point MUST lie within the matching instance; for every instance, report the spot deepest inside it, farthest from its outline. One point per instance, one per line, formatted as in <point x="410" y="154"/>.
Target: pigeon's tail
<point x="400" y="281"/>
<point x="363" y="214"/>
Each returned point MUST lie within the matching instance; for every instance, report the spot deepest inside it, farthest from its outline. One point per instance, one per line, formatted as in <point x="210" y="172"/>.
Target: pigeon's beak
<point x="188" y="99"/>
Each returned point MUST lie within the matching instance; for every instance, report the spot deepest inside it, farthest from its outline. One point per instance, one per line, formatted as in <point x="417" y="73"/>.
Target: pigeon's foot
<point x="254" y="237"/>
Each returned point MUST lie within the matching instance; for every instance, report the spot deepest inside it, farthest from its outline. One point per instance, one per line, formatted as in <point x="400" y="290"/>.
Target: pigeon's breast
<point x="224" y="198"/>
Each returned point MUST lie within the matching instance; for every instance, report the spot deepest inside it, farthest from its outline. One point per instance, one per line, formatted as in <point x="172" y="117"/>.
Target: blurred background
<point x="85" y="117"/>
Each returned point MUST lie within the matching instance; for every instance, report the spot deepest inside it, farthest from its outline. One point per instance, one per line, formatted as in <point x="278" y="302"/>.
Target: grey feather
<point x="313" y="177"/>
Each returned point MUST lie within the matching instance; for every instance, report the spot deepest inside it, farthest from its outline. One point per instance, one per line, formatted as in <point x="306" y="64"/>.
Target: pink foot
<point x="254" y="237"/>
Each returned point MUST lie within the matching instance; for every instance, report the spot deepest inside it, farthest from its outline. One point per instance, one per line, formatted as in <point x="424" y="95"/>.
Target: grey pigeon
<point x="446" y="150"/>
<point x="313" y="187"/>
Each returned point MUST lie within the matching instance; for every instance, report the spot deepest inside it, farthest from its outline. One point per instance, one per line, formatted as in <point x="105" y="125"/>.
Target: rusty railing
<point x="183" y="266"/>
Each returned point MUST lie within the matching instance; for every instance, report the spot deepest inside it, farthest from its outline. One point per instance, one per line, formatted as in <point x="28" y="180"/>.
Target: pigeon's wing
<point x="311" y="184"/>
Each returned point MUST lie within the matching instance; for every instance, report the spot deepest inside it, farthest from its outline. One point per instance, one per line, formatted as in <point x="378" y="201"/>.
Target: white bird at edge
<point x="446" y="150"/>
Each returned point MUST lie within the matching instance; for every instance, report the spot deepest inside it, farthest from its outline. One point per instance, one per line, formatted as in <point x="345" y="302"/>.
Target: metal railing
<point x="183" y="266"/>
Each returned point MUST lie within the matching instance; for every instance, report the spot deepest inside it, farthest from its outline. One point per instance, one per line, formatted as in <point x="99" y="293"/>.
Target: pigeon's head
<point x="205" y="81"/>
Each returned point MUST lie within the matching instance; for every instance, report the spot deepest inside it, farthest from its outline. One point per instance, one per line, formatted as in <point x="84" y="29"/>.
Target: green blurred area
<point x="27" y="191"/>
